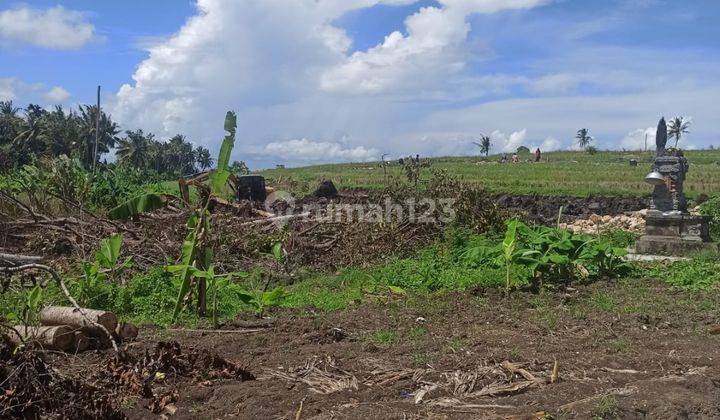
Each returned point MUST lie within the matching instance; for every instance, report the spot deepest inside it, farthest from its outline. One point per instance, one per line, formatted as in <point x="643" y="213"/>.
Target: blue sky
<point x="337" y="80"/>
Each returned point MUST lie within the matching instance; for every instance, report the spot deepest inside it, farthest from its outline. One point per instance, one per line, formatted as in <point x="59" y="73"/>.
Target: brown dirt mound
<point x="544" y="209"/>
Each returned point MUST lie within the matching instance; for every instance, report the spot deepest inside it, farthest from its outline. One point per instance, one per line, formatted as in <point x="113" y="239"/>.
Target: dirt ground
<point x="633" y="349"/>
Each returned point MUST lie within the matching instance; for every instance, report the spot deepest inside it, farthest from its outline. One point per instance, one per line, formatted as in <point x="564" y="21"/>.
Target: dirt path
<point x="631" y="350"/>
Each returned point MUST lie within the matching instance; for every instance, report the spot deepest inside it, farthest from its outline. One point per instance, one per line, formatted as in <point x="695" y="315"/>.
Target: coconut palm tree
<point x="9" y="122"/>
<point x="583" y="137"/>
<point x="62" y="133"/>
<point x="134" y="149"/>
<point x="484" y="144"/>
<point x="108" y="134"/>
<point x="30" y="139"/>
<point x="677" y="127"/>
<point x="203" y="157"/>
<point x="180" y="156"/>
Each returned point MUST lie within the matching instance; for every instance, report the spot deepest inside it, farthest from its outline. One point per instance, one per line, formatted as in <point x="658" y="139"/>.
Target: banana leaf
<point x="141" y="204"/>
<point x="219" y="176"/>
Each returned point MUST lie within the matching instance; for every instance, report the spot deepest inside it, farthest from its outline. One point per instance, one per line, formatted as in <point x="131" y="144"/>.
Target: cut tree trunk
<point x="65" y="315"/>
<point x="60" y="337"/>
<point x="126" y="331"/>
<point x="82" y="342"/>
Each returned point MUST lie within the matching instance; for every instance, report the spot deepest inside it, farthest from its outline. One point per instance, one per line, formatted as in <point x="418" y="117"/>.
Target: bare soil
<point x="635" y="349"/>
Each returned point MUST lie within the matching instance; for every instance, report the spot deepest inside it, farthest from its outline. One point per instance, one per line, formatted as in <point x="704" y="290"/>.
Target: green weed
<point x="454" y="345"/>
<point x="418" y="331"/>
<point x="383" y="338"/>
<point x="699" y="273"/>
<point x="606" y="408"/>
<point x="619" y="345"/>
<point x="602" y="300"/>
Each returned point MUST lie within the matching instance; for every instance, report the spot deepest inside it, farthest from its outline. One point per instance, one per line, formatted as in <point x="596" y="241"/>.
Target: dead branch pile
<point x="29" y="388"/>
<point x="321" y="375"/>
<point x="323" y="237"/>
<point x="154" y="375"/>
<point x="454" y="388"/>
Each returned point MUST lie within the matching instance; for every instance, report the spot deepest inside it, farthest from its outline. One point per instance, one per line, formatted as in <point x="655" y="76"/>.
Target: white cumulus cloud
<point x="431" y="50"/>
<point x="7" y="89"/>
<point x="285" y="68"/>
<point x="548" y="145"/>
<point x="504" y="143"/>
<point x="307" y="151"/>
<point x="636" y="139"/>
<point x="53" y="28"/>
<point x="57" y="95"/>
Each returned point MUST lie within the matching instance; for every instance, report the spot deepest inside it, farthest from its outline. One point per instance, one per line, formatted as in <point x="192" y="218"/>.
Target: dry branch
<point x="276" y="219"/>
<point x="19" y="259"/>
<point x="512" y="368"/>
<point x="82" y="342"/>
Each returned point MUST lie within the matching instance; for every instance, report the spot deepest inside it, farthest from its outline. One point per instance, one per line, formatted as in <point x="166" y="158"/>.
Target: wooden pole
<point x="97" y="129"/>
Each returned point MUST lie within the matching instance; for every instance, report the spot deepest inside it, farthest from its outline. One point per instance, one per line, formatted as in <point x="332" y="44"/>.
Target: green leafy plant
<point x="712" y="208"/>
<point x="702" y="272"/>
<point x="196" y="256"/>
<point x="30" y="313"/>
<point x="143" y="203"/>
<point x="550" y="254"/>
<point x="508" y="246"/>
<point x="261" y="300"/>
<point x="93" y="287"/>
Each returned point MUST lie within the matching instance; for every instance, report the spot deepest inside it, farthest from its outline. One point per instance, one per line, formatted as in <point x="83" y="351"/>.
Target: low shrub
<point x="702" y="272"/>
<point x="712" y="208"/>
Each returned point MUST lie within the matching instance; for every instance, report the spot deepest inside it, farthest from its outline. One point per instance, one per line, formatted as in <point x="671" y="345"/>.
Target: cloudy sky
<point x="348" y="80"/>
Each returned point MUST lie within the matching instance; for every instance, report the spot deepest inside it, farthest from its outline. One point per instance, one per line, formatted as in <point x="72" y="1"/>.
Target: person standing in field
<point x="515" y="158"/>
<point x="538" y="155"/>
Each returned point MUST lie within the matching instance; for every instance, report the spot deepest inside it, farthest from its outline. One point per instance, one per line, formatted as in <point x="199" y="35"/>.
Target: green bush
<point x="549" y="254"/>
<point x="712" y="208"/>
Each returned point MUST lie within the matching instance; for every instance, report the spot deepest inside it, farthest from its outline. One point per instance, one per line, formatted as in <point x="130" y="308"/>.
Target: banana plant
<point x="196" y="256"/>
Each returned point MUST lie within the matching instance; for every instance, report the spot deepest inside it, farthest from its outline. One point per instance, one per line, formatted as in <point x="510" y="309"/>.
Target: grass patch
<point x="702" y="272"/>
<point x="418" y="331"/>
<point x="620" y="345"/>
<point x="561" y="173"/>
<point x="602" y="301"/>
<point x="383" y="338"/>
<point x="606" y="408"/>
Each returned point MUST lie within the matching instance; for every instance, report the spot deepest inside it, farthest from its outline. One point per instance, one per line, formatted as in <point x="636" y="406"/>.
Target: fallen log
<point x="59" y="337"/>
<point x="87" y="322"/>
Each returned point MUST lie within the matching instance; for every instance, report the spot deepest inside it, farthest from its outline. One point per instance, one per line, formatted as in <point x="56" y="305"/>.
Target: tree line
<point x="33" y="133"/>
<point x="677" y="128"/>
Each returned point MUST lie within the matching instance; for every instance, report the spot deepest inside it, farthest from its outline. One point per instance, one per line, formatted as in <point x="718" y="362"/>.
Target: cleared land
<point x="382" y="320"/>
<point x="560" y="173"/>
